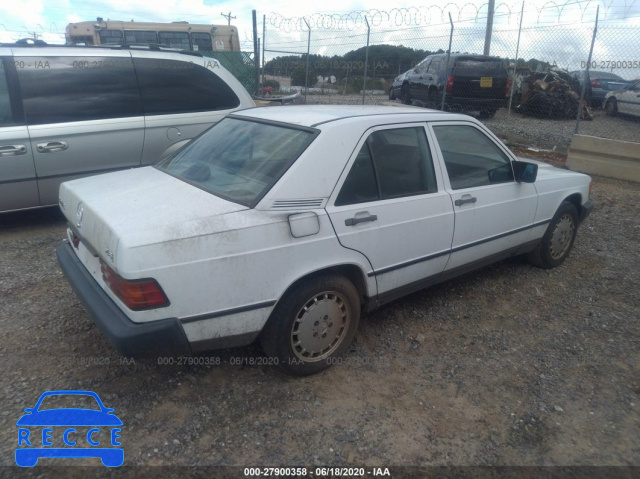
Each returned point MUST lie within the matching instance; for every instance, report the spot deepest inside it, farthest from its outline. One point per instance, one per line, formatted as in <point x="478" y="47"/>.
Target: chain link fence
<point x="554" y="75"/>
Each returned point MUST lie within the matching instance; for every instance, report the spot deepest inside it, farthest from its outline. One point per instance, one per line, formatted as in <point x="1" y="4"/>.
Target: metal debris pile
<point x="552" y="94"/>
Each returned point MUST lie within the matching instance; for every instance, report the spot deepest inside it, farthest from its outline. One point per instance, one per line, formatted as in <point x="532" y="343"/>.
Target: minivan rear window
<point x="172" y="86"/>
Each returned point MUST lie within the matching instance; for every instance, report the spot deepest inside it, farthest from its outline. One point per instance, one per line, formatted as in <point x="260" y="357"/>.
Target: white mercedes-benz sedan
<point x="285" y="224"/>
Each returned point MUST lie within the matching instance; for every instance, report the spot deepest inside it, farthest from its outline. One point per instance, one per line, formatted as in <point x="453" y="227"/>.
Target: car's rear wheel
<point x="487" y="113"/>
<point x="611" y="107"/>
<point x="313" y="323"/>
<point x="405" y="97"/>
<point x="558" y="240"/>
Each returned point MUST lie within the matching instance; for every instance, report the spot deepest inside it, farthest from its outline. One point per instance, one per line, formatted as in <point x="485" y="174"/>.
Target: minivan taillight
<point x="450" y="84"/>
<point x="137" y="294"/>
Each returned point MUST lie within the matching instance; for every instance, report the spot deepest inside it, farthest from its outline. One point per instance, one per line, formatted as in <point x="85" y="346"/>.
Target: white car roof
<point x="312" y="115"/>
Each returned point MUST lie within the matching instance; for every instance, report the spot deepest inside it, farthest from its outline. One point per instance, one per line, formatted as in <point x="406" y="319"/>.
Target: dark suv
<point x="472" y="82"/>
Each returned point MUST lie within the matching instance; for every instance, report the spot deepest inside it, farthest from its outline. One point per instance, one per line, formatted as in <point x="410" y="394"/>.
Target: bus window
<point x="140" y="37"/>
<point x="201" y="42"/>
<point x="110" y="37"/>
<point x="174" y="39"/>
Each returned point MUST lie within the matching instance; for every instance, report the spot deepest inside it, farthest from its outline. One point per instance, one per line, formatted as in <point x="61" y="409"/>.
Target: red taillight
<point x="506" y="90"/>
<point x="136" y="295"/>
<point x="595" y="83"/>
<point x="450" y="84"/>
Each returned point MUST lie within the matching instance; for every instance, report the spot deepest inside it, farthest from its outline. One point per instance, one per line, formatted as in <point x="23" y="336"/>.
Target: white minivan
<point x="69" y="112"/>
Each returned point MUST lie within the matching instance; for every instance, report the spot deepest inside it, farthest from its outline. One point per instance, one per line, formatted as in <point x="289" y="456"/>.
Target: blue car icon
<point x="97" y="422"/>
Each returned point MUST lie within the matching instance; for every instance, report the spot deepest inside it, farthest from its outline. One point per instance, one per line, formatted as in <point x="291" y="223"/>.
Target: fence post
<point x="444" y="89"/>
<point x="366" y="61"/>
<point x="256" y="52"/>
<point x="586" y="73"/>
<point x="264" y="39"/>
<point x="306" y="75"/>
<point x="515" y="65"/>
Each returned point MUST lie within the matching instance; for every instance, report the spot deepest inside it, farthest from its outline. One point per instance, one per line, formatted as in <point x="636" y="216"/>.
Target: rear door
<point x="391" y="206"/>
<point x="83" y="112"/>
<point x="479" y="77"/>
<point x="18" y="185"/>
<point x="493" y="213"/>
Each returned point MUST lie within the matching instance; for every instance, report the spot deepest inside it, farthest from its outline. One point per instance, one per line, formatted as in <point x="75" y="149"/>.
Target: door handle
<point x="466" y="199"/>
<point x="12" y="150"/>
<point x="360" y="219"/>
<point x="52" y="146"/>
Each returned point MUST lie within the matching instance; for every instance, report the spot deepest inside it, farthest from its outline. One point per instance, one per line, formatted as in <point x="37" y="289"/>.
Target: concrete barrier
<point x="601" y="156"/>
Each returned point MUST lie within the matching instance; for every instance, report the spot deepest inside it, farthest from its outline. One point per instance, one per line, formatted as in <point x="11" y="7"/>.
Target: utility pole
<point x="228" y="17"/>
<point x="487" y="35"/>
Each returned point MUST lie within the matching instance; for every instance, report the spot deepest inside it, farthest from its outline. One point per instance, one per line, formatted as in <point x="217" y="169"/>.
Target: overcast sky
<point x="552" y="30"/>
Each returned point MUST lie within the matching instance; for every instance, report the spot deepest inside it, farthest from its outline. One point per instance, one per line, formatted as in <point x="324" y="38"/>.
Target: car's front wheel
<point x="611" y="107"/>
<point x="313" y="323"/>
<point x="558" y="240"/>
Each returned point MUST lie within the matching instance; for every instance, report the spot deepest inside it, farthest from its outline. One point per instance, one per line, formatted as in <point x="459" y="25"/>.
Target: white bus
<point x="182" y="35"/>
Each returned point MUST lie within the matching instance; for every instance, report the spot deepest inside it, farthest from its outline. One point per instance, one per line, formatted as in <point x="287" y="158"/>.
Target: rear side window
<point x="171" y="86"/>
<point x="67" y="89"/>
<point x="391" y="164"/>
<point x="201" y="42"/>
<point x="143" y="37"/>
<point x="175" y="39"/>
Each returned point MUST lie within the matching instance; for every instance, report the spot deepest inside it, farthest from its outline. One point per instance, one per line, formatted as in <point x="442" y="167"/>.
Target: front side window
<point x="172" y="86"/>
<point x="391" y="163"/>
<point x="471" y="157"/>
<point x="239" y="160"/>
<point x="66" y="89"/>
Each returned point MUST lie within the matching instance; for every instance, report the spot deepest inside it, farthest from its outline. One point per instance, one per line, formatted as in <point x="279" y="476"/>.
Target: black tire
<point x="405" y="97"/>
<point x="556" y="244"/>
<point x="611" y="107"/>
<point x="313" y="323"/>
<point x="487" y="113"/>
<point x="435" y="100"/>
<point x="391" y="94"/>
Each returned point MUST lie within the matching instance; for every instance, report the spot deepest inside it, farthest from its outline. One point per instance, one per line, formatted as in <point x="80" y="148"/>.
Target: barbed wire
<point x="427" y="15"/>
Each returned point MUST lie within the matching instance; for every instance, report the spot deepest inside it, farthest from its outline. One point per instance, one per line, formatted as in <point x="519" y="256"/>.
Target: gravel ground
<point x="507" y="366"/>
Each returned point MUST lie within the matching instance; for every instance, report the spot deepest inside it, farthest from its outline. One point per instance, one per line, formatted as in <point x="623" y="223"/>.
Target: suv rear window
<point x="479" y="63"/>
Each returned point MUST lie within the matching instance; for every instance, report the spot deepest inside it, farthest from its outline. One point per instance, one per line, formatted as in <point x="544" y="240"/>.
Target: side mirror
<point x="525" y="172"/>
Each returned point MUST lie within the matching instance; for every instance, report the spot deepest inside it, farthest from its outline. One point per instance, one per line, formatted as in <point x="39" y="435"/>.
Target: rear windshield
<point x="239" y="160"/>
<point x="494" y="64"/>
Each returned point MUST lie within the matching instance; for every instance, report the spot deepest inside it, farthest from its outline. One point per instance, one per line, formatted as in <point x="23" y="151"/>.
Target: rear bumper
<point x="477" y="103"/>
<point x="162" y="337"/>
<point x="585" y="210"/>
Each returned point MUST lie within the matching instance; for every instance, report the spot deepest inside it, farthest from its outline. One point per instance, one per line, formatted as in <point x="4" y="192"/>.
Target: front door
<point x="493" y="212"/>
